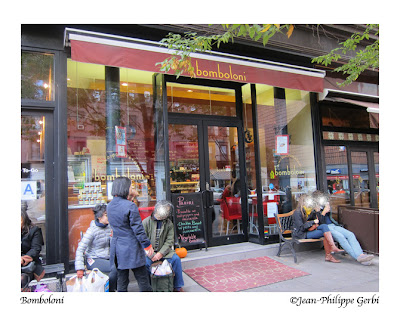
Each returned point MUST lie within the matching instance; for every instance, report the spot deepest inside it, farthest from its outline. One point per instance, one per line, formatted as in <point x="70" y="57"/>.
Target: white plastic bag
<point x="96" y="281"/>
<point x="162" y="269"/>
<point x="75" y="285"/>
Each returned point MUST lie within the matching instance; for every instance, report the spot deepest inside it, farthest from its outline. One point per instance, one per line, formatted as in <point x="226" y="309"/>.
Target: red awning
<point x="103" y="49"/>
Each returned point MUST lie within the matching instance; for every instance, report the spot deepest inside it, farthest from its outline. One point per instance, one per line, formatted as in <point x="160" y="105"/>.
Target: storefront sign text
<point x="218" y="74"/>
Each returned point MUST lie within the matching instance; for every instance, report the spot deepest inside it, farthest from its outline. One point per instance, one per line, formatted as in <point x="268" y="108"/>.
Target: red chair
<point x="231" y="210"/>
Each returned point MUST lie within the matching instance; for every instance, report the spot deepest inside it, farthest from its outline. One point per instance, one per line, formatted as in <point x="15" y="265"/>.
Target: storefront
<point x="248" y="131"/>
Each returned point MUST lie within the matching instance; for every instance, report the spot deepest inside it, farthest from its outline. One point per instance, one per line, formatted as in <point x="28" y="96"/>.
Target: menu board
<point x="189" y="218"/>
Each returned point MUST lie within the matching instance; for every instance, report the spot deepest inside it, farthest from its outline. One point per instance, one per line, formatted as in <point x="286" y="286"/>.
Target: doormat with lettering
<point x="241" y="275"/>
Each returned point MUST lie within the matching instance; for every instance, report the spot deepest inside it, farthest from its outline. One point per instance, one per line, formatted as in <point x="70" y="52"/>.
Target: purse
<point x="313" y="227"/>
<point x="29" y="268"/>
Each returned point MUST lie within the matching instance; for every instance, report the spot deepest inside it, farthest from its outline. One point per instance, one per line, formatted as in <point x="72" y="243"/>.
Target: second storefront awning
<point x="118" y="51"/>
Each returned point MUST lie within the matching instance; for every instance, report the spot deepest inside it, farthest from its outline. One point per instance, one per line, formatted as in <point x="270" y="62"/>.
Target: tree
<point x="190" y="42"/>
<point x="367" y="58"/>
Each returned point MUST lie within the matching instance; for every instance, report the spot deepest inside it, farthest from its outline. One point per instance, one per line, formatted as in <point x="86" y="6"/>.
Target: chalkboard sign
<point x="189" y="218"/>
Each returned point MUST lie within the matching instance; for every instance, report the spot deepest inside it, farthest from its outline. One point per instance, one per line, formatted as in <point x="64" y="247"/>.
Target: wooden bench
<point x="285" y="226"/>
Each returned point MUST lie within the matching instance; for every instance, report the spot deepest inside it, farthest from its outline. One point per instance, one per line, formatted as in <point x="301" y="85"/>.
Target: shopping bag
<point x="75" y="284"/>
<point x="162" y="276"/>
<point x="96" y="281"/>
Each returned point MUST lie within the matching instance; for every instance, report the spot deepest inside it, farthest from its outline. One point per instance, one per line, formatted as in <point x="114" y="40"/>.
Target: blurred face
<point x="22" y="222"/>
<point x="104" y="219"/>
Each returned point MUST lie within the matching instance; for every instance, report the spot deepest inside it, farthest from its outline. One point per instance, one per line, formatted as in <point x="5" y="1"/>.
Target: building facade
<point x="255" y="128"/>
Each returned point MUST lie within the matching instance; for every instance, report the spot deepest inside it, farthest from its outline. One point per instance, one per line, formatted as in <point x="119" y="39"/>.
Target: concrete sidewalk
<point x="347" y="276"/>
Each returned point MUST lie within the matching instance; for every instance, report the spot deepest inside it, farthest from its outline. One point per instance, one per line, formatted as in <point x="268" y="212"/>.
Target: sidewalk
<point x="347" y="276"/>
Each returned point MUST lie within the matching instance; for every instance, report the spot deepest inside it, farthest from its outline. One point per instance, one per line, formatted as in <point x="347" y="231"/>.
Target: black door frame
<point x="202" y="124"/>
<point x="51" y="216"/>
<point x="208" y="120"/>
<point x="371" y="172"/>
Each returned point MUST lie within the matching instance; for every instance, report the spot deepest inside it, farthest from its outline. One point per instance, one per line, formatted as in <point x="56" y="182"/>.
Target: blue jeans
<point x="104" y="266"/>
<point x="141" y="276"/>
<point x="176" y="264"/>
<point x="318" y="233"/>
<point x="346" y="239"/>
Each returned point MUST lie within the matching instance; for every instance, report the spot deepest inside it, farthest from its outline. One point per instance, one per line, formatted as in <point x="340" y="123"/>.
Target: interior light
<point x="124" y="84"/>
<point x="68" y="79"/>
<point x="38" y="140"/>
<point x="45" y="85"/>
<point x="39" y="133"/>
<point x="190" y="91"/>
<point x="40" y="122"/>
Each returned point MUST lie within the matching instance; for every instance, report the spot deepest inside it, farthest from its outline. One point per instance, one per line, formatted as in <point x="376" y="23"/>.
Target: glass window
<point x="193" y="99"/>
<point x="37" y="76"/>
<point x="337" y="176"/>
<point x="184" y="158"/>
<point x="110" y="134"/>
<point x="33" y="171"/>
<point x="376" y="163"/>
<point x="361" y="189"/>
<point x="339" y="116"/>
<point x="286" y="149"/>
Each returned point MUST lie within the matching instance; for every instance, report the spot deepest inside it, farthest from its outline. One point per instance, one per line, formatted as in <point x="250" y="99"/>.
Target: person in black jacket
<point x="310" y="229"/>
<point x="31" y="245"/>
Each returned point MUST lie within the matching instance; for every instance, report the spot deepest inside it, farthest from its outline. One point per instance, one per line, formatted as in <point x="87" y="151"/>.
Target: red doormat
<point x="244" y="274"/>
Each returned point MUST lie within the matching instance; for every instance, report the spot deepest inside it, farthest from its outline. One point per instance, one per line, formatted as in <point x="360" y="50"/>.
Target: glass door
<point x="204" y="156"/>
<point x="36" y="171"/>
<point x="364" y="164"/>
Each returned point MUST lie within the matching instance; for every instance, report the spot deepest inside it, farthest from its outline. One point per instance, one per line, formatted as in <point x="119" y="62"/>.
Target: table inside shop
<point x="272" y="207"/>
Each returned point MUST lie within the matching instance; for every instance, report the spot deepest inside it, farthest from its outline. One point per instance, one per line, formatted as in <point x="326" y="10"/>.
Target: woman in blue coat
<point x="129" y="244"/>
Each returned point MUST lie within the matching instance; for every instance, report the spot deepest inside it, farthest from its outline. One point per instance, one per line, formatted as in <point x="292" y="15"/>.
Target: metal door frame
<point x="203" y="121"/>
<point x="371" y="172"/>
<point x="51" y="216"/>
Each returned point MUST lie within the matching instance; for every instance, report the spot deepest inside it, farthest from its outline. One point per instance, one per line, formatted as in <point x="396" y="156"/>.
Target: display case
<point x="185" y="186"/>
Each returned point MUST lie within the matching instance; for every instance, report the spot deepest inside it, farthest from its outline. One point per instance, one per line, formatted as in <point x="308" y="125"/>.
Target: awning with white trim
<point x="119" y="51"/>
<point x="370" y="102"/>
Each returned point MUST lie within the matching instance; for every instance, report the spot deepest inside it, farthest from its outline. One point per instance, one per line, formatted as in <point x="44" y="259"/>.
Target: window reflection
<point x="110" y="134"/>
<point x="286" y="149"/>
<point x="337" y="176"/>
<point x="193" y="99"/>
<point x="37" y="76"/>
<point x="33" y="171"/>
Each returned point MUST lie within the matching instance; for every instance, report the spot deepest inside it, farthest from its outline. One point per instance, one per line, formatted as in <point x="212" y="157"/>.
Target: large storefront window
<point x="110" y="134"/>
<point x="286" y="149"/>
<point x="37" y="76"/>
<point x="337" y="176"/>
<point x="33" y="175"/>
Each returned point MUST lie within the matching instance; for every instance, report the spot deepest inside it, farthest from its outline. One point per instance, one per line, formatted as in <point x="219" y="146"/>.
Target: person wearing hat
<point x="160" y="230"/>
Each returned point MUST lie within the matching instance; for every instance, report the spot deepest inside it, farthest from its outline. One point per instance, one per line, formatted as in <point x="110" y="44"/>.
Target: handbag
<point x="29" y="268"/>
<point x="313" y="227"/>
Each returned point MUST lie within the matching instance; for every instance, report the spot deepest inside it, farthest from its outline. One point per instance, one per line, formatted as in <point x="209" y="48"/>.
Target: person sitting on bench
<point x="311" y="229"/>
<point x="346" y="239"/>
<point x="160" y="230"/>
<point x="31" y="245"/>
<point x="96" y="246"/>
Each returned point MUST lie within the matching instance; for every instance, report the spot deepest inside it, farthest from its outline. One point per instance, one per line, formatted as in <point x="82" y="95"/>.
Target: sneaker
<point x="366" y="263"/>
<point x="178" y="290"/>
<point x="364" y="258"/>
